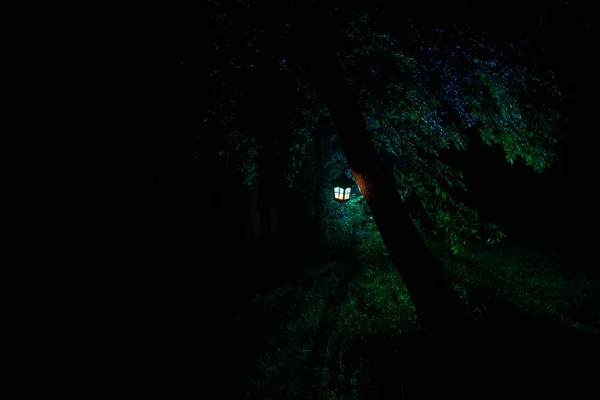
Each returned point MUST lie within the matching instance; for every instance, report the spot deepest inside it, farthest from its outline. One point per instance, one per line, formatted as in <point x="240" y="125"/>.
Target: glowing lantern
<point x="342" y="187"/>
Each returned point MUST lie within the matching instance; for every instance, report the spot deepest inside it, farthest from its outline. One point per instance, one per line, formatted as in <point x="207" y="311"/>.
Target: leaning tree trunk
<point x="437" y="306"/>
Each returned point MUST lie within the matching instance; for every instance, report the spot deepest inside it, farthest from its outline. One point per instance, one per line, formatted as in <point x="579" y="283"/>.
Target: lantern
<point x="342" y="187"/>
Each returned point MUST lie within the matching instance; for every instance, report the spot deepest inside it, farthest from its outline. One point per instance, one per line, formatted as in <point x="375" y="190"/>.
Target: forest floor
<point x="340" y="330"/>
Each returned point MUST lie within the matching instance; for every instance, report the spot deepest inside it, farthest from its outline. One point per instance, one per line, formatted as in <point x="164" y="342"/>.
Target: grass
<point x="554" y="281"/>
<point x="332" y="331"/>
<point x="325" y="321"/>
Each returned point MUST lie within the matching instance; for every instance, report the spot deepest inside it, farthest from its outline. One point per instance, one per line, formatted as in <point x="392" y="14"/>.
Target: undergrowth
<point x="327" y="318"/>
<point x="329" y="315"/>
<point x="544" y="280"/>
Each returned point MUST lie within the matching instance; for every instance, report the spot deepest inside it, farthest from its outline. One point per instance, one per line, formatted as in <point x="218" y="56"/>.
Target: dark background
<point x="123" y="233"/>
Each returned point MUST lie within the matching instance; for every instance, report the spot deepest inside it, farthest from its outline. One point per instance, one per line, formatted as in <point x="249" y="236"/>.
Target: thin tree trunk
<point x="318" y="182"/>
<point x="255" y="212"/>
<point x="274" y="216"/>
<point x="436" y="304"/>
<point x="274" y="212"/>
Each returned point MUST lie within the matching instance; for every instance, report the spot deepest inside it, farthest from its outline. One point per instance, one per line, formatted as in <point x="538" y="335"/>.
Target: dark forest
<point x="327" y="200"/>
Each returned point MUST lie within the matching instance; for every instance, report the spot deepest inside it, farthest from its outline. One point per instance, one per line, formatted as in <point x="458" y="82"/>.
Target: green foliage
<point x="387" y="308"/>
<point x="447" y="218"/>
<point x="440" y="215"/>
<point x="331" y="314"/>
<point x="411" y="101"/>
<point x="342" y="312"/>
<point x="348" y="226"/>
<point x="420" y="93"/>
<point x="521" y="127"/>
<point x="302" y="134"/>
<point x="240" y="155"/>
<point x="536" y="277"/>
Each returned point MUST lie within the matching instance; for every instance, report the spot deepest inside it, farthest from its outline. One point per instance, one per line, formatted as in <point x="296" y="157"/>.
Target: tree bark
<point x="437" y="306"/>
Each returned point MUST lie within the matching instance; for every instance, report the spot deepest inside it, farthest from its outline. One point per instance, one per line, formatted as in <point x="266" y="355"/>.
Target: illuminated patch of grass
<point x="321" y="343"/>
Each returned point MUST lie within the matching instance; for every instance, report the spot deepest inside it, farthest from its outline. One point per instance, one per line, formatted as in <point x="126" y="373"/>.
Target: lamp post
<point x="342" y="187"/>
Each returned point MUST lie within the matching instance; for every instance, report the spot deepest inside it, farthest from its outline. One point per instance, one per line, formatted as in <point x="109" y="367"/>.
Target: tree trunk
<point x="437" y="306"/>
<point x="274" y="212"/>
<point x="254" y="211"/>
<point x="318" y="182"/>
